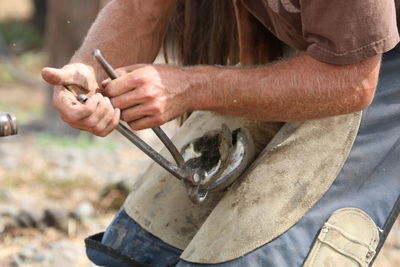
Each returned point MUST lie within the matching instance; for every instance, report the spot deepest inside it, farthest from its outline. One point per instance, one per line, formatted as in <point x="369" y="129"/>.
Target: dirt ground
<point x="76" y="179"/>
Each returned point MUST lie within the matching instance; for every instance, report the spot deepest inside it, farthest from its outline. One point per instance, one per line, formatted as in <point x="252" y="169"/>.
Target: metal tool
<point x="8" y="124"/>
<point x="231" y="152"/>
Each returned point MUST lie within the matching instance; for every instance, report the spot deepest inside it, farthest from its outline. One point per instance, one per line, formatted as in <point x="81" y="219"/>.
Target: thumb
<point x="54" y="76"/>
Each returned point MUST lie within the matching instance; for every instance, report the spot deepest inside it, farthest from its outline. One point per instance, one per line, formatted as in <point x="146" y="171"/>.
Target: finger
<point x="140" y="111"/>
<point x="54" y="76"/>
<point x="103" y="107"/>
<point x="73" y="111"/>
<point x="123" y="84"/>
<point x="122" y="71"/>
<point x="78" y="75"/>
<point x="127" y="69"/>
<point x="112" y="124"/>
<point x="138" y="96"/>
<point x="105" y="82"/>
<point x="103" y="123"/>
<point x="146" y="122"/>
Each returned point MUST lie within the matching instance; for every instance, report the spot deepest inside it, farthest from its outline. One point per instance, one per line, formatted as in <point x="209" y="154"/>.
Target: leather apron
<point x="290" y="175"/>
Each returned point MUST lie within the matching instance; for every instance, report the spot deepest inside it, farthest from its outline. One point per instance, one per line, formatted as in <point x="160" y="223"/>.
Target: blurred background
<point x="58" y="185"/>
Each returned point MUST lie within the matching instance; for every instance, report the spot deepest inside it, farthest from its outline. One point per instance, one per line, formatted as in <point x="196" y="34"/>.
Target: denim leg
<point x="125" y="237"/>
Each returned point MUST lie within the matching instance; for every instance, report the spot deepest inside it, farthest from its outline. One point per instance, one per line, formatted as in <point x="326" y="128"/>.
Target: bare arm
<point x="128" y="32"/>
<point x="298" y="89"/>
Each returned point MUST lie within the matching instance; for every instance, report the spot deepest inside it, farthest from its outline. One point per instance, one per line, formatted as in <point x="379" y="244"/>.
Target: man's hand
<point x="97" y="115"/>
<point x="149" y="95"/>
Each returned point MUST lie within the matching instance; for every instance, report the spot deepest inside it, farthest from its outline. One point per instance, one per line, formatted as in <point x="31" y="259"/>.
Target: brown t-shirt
<point x="332" y="31"/>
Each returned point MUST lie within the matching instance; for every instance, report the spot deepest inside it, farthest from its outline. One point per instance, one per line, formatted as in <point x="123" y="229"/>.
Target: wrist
<point x="202" y="80"/>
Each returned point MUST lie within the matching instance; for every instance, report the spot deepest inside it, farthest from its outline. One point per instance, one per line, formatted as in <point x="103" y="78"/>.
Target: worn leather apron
<point x="290" y="175"/>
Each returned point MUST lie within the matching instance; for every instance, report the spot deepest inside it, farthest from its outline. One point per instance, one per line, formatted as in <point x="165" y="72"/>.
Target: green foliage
<point x="5" y="75"/>
<point x="21" y="36"/>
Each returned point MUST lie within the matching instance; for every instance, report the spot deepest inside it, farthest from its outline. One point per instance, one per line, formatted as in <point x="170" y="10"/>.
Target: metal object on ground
<point x="8" y="124"/>
<point x="209" y="163"/>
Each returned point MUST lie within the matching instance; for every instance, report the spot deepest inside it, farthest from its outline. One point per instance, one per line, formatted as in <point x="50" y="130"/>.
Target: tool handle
<point x="157" y="130"/>
<point x="106" y="66"/>
<point x="149" y="151"/>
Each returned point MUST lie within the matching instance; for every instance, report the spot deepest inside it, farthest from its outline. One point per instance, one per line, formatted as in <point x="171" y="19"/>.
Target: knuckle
<point x="109" y="89"/>
<point x="127" y="80"/>
<point x="89" y="109"/>
<point x="158" y="120"/>
<point x="150" y="94"/>
<point x="125" y="115"/>
<point x="95" y="133"/>
<point x="102" y="134"/>
<point x="138" y="78"/>
<point x="103" y="105"/>
<point x="98" y="129"/>
<point x="91" y="123"/>
<point x="135" y="126"/>
<point x="115" y="102"/>
<point x="120" y="71"/>
<point x="157" y="108"/>
<point x="132" y="126"/>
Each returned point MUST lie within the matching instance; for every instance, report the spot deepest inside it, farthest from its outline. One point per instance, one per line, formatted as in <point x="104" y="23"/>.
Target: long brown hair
<point x="206" y="32"/>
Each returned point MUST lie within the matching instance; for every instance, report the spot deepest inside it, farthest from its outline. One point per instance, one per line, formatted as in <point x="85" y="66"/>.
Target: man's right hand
<point x="97" y="115"/>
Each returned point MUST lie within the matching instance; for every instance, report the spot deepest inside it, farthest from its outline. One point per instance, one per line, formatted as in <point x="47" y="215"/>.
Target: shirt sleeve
<point x="347" y="31"/>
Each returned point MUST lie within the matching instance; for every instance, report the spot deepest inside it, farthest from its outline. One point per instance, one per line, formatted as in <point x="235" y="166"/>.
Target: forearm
<point x="298" y="89"/>
<point x="127" y="32"/>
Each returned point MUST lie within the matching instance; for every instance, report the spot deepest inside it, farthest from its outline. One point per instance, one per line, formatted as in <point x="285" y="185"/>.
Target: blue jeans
<point x="125" y="243"/>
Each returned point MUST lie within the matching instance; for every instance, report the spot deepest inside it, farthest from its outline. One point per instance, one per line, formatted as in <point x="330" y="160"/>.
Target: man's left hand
<point x="149" y="95"/>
